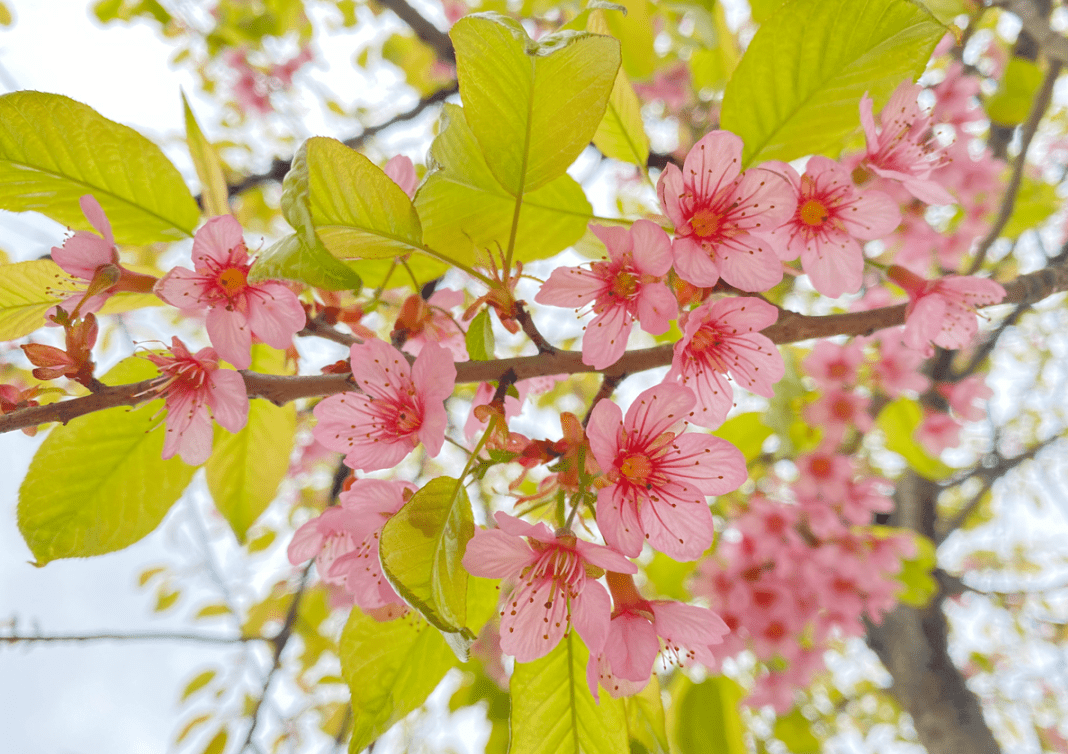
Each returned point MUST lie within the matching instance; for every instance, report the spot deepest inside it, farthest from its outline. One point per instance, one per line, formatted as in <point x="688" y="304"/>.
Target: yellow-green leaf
<point x="746" y="432"/>
<point x="245" y="468"/>
<point x="621" y="133"/>
<point x="898" y="421"/>
<point x="479" y="337"/>
<point x="798" y="86"/>
<point x="212" y="611"/>
<point x="1010" y="105"/>
<point x="390" y="668"/>
<point x="646" y="720"/>
<point x="54" y="150"/>
<point x="795" y="730"/>
<point x="464" y="210"/>
<point x="99" y="484"/>
<point x="532" y="106"/>
<point x="421" y="548"/>
<point x="214" y="196"/>
<point x="705" y="717"/>
<point x="553" y="711"/>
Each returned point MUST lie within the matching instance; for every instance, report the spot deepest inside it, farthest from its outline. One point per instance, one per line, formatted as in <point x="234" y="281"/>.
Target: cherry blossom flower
<point x="191" y="385"/>
<point x="837" y="410"/>
<point x="897" y="369"/>
<point x="720" y="337"/>
<point x="833" y="365"/>
<point x="622" y="288"/>
<point x="963" y="396"/>
<point x="483" y="395"/>
<point x="237" y="309"/>
<point x="640" y="629"/>
<point x="423" y="321"/>
<point x="95" y="259"/>
<point x="902" y="148"/>
<point x="938" y="431"/>
<point x="943" y="311"/>
<point x="401" y="406"/>
<point x="344" y="540"/>
<point x="722" y="216"/>
<point x="658" y="478"/>
<point x="554" y="589"/>
<point x="831" y="215"/>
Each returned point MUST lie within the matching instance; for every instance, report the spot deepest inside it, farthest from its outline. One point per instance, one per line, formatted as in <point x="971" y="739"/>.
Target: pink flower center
<point x="706" y="222"/>
<point x="408" y="420"/>
<point x="814" y="213"/>
<point x="821" y="467"/>
<point x="706" y="338"/>
<point x="842" y="408"/>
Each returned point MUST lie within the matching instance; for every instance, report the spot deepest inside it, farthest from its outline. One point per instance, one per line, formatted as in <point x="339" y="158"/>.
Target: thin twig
<point x="532" y="332"/>
<point x="430" y="35"/>
<point x="131" y="636"/>
<point x="1008" y="199"/>
<point x="317" y="327"/>
<point x="608" y="386"/>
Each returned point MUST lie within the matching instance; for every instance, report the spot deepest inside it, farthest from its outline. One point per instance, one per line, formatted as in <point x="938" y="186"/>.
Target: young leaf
<point x="245" y="469"/>
<point x="200" y="680"/>
<point x="54" y="150"/>
<point x="390" y="668"/>
<point x="705" y="716"/>
<point x="795" y="730"/>
<point x="621" y="133"/>
<point x="798" y="87"/>
<point x="746" y="432"/>
<point x="553" y="711"/>
<point x="213" y="192"/>
<point x="463" y="208"/>
<point x="99" y="484"/>
<point x="480" y="342"/>
<point x="421" y="548"/>
<point x="532" y="106"/>
<point x="302" y="256"/>
<point x="646" y="721"/>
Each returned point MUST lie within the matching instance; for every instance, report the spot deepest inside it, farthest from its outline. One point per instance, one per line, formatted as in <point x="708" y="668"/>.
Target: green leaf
<point x="99" y="484"/>
<point x="795" y="730"/>
<point x="1035" y="203"/>
<point x="533" y="106"/>
<point x="669" y="576"/>
<point x="390" y="668"/>
<point x="302" y="256"/>
<point x="898" y="421"/>
<point x="635" y="28"/>
<point x="1011" y="104"/>
<point x="797" y="88"/>
<point x="54" y="150"/>
<point x="464" y="208"/>
<point x="214" y="194"/>
<point x="480" y="342"/>
<point x="746" y="432"/>
<point x="705" y="717"/>
<point x="762" y="10"/>
<point x="553" y="711"/>
<point x="217" y="745"/>
<point x="421" y="548"/>
<point x="358" y="210"/>
<point x="29" y="289"/>
<point x="621" y="133"/>
<point x="646" y="721"/>
<point x="245" y="468"/>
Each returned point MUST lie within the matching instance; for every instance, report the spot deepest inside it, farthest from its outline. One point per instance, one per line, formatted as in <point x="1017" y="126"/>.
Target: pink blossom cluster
<point x="802" y="569"/>
<point x="343" y="540"/>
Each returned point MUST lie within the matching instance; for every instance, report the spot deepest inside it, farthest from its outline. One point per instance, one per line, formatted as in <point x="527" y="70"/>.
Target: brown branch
<point x="1008" y="200"/>
<point x="14" y="638"/>
<point x="429" y="34"/>
<point x="316" y="327"/>
<point x="531" y="331"/>
<point x="609" y="383"/>
<point x="1053" y="45"/>
<point x="282" y="389"/>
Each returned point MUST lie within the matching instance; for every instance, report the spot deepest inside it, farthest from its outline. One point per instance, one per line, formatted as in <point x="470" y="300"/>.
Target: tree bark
<point x="913" y="645"/>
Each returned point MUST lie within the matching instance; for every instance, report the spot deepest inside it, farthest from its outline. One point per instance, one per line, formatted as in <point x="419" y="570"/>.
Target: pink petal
<point x="681" y="530"/>
<point x="714" y="396"/>
<point x="618" y="522"/>
<point x="275" y="314"/>
<point x="493" y="554"/>
<point x="188" y="436"/>
<point x="380" y="369"/>
<point x="181" y="288"/>
<point x="215" y="241"/>
<point x="517" y="527"/>
<point x="402" y="172"/>
<point x="306" y="543"/>
<point x="661" y="408"/>
<point x="652" y="248"/>
<point x="616" y="239"/>
<point x="605" y="557"/>
<point x="83" y="253"/>
<point x="835" y="265"/>
<point x="94" y="213"/>
<point x="713" y="163"/>
<point x="749" y="263"/>
<point x="590" y="613"/>
<point x="762" y="201"/>
<point x="710" y="464"/>
<point x="530" y="630"/>
<point x="570" y="287"/>
<point x="434" y="373"/>
<point x="657" y="306"/>
<point x="872" y="216"/>
<point x="694" y="264"/>
<point x="688" y="625"/>
<point x="228" y="399"/>
<point x="632" y="647"/>
<point x="606" y="421"/>
<point x="229" y="333"/>
<point x="670" y="188"/>
<point x="605" y="339"/>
